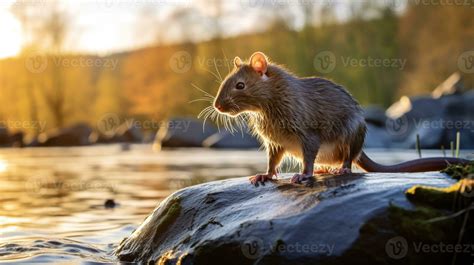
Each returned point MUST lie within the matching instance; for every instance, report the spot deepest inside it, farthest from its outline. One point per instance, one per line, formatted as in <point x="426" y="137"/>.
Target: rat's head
<point x="245" y="88"/>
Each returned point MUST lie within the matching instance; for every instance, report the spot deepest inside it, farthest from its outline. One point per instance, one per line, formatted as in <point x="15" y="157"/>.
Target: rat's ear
<point x="259" y="62"/>
<point x="237" y="61"/>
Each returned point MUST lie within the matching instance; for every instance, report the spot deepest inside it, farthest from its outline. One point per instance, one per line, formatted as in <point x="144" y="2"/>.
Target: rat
<point x="312" y="119"/>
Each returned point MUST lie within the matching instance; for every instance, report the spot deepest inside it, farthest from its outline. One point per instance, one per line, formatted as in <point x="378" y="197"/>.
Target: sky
<point x="107" y="26"/>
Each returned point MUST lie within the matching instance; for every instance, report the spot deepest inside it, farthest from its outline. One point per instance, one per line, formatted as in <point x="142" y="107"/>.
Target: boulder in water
<point x="183" y="132"/>
<point x="233" y="222"/>
<point x="76" y="135"/>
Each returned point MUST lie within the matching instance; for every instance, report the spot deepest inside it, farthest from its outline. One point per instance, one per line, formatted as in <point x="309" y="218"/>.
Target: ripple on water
<point x="41" y="250"/>
<point x="52" y="199"/>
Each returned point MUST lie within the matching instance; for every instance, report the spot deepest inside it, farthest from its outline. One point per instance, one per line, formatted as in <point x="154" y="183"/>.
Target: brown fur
<point x="301" y="117"/>
<point x="312" y="119"/>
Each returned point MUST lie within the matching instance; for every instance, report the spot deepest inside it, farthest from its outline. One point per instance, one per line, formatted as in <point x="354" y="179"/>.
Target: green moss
<point x="170" y="213"/>
<point x="460" y="171"/>
<point x="412" y="225"/>
<point x="415" y="224"/>
<point x="456" y="196"/>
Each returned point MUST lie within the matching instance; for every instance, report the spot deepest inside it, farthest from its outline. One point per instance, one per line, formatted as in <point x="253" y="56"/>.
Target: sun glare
<point x="3" y="166"/>
<point x="10" y="34"/>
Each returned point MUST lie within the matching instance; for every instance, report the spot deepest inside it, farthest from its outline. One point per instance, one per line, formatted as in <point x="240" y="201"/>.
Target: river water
<point x="52" y="200"/>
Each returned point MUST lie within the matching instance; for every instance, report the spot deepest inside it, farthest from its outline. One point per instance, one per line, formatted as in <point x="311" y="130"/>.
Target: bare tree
<point x="47" y="27"/>
<point x="23" y="13"/>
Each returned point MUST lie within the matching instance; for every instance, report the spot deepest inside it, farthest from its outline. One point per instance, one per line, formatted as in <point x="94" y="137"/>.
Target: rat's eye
<point x="240" y="85"/>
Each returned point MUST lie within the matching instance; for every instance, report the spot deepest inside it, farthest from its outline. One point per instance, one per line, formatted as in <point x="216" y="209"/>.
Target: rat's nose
<point x="219" y="107"/>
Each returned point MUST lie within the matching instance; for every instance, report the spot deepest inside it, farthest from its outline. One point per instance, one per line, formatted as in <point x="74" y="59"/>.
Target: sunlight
<point x="3" y="166"/>
<point x="10" y="31"/>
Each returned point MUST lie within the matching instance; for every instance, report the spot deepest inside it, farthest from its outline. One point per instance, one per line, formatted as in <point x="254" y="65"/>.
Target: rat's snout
<point x="218" y="106"/>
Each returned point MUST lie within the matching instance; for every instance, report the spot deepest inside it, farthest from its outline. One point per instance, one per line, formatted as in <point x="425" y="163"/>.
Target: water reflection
<point x="3" y="165"/>
<point x="52" y="200"/>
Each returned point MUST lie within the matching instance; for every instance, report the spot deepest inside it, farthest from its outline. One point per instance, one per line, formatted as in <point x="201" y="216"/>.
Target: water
<point x="52" y="199"/>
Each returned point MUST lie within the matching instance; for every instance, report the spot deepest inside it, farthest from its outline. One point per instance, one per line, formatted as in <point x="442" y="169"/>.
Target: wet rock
<point x="375" y="115"/>
<point x="233" y="222"/>
<point x="16" y="139"/>
<point x="109" y="203"/>
<point x="431" y="136"/>
<point x="126" y="132"/>
<point x="4" y="135"/>
<point x="401" y="122"/>
<point x="377" y="137"/>
<point x="76" y="135"/>
<point x="452" y="85"/>
<point x="183" y="132"/>
<point x="436" y="121"/>
<point x="8" y="139"/>
<point x="459" y="117"/>
<point x="225" y="139"/>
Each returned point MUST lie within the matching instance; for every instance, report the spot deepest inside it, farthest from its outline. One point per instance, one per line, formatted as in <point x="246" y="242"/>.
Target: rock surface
<point x="183" y="132"/>
<point x="375" y="115"/>
<point x="233" y="222"/>
<point x="225" y="139"/>
<point x="75" y="135"/>
<point x="9" y="139"/>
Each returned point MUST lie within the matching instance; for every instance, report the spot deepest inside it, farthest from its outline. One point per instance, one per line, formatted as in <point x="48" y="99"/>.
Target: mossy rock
<point x="460" y="171"/>
<point x="454" y="197"/>
<point x="336" y="220"/>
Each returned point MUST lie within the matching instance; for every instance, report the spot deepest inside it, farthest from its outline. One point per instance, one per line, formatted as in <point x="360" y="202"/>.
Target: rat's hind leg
<point x="345" y="169"/>
<point x="354" y="147"/>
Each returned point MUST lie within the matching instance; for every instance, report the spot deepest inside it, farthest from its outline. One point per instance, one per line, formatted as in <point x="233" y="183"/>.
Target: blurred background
<point x="98" y="64"/>
<point x="100" y="100"/>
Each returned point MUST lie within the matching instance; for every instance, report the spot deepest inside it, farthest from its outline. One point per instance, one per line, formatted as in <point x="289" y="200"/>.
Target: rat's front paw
<point x="260" y="178"/>
<point x="298" y="178"/>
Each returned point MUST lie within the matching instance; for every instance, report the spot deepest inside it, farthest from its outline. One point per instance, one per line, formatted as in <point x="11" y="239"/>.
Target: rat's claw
<point x="260" y="178"/>
<point x="298" y="178"/>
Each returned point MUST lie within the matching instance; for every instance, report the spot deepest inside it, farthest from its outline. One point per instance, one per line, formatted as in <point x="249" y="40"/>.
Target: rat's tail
<point x="417" y="165"/>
